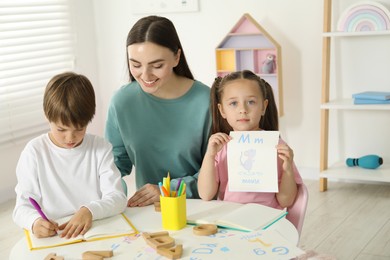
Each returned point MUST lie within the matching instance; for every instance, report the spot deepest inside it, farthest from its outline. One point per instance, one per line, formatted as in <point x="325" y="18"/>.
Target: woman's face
<point x="152" y="65"/>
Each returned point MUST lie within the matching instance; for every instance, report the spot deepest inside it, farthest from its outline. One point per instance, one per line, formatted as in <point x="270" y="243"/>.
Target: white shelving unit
<point x="340" y="170"/>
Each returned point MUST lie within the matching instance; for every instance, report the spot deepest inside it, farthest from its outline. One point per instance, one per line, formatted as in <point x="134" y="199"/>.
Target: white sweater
<point x="63" y="180"/>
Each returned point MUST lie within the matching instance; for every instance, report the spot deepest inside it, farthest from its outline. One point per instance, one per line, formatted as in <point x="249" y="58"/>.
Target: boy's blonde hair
<point x="69" y="99"/>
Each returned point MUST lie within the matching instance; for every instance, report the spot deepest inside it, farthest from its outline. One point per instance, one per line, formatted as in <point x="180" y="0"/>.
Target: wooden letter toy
<point x="158" y="239"/>
<point x="53" y="256"/>
<point x="97" y="255"/>
<point x="163" y="243"/>
<point x="171" y="253"/>
<point x="205" y="230"/>
<point x="157" y="206"/>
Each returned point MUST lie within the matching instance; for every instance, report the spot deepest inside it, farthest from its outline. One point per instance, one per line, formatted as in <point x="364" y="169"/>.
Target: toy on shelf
<point x="269" y="64"/>
<point x="370" y="161"/>
<point x="364" y="16"/>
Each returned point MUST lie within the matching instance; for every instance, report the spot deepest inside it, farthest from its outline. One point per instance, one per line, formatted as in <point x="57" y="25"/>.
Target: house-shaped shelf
<point x="249" y="47"/>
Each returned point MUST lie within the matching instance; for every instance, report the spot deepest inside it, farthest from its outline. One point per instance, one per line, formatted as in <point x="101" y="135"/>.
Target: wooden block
<point x="159" y="242"/>
<point x="147" y="235"/>
<point x="50" y="256"/>
<point x="104" y="253"/>
<point x="157" y="206"/>
<point x="89" y="256"/>
<point x="171" y="253"/>
<point x="53" y="256"/>
<point x="158" y="239"/>
<point x="205" y="229"/>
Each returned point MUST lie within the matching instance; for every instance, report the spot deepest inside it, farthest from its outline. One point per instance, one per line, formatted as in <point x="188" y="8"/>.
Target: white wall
<point x="87" y="64"/>
<point x="296" y="25"/>
<point x="102" y="28"/>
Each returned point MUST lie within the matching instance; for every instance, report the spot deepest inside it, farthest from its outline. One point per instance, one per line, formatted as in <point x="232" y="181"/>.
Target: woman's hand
<point x="146" y="195"/>
<point x="80" y="223"/>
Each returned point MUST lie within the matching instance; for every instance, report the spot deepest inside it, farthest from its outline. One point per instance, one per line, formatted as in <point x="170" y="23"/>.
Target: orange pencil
<point x="165" y="191"/>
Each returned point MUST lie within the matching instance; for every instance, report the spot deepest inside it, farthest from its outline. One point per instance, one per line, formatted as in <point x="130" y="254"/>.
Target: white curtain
<point x="36" y="42"/>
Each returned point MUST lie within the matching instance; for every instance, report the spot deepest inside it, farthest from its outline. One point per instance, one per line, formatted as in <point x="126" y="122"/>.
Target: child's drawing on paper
<point x="247" y="159"/>
<point x="253" y="164"/>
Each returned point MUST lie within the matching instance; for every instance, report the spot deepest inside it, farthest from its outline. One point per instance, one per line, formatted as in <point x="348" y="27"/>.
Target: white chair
<point x="297" y="211"/>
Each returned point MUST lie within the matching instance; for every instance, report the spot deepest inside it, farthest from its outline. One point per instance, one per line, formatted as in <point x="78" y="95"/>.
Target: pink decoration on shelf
<point x="364" y="16"/>
<point x="245" y="26"/>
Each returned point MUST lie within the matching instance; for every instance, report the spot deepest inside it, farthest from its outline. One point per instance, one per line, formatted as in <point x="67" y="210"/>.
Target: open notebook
<point x="243" y="217"/>
<point x="115" y="226"/>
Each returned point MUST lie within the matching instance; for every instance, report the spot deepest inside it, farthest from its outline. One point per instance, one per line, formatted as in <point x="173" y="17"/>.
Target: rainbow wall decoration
<point x="364" y="16"/>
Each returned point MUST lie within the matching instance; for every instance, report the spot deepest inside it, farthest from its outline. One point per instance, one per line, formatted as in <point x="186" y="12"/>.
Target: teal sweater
<point x="158" y="136"/>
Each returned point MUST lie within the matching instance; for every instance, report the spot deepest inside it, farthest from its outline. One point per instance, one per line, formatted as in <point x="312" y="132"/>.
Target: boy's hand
<point x="146" y="195"/>
<point x="43" y="228"/>
<point x="80" y="223"/>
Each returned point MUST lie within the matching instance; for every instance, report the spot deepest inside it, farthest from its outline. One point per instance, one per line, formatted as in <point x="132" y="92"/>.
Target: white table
<point x="145" y="219"/>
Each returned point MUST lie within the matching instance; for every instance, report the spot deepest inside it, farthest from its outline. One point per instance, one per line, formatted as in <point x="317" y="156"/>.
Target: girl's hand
<point x="216" y="143"/>
<point x="287" y="155"/>
<point x="80" y="223"/>
<point x="43" y="228"/>
<point x="146" y="195"/>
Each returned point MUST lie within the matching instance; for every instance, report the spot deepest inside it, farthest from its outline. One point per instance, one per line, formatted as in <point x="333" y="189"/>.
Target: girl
<point x="242" y="101"/>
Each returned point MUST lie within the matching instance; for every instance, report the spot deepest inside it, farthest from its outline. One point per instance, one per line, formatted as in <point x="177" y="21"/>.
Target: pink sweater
<point x="265" y="198"/>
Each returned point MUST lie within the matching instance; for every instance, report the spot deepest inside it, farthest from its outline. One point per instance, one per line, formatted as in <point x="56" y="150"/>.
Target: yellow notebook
<point x="115" y="226"/>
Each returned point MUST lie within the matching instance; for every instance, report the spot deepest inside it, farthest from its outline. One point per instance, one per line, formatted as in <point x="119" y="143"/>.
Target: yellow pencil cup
<point x="173" y="212"/>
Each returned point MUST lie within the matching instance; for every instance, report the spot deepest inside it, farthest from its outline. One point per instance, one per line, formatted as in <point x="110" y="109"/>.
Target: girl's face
<point x="242" y="104"/>
<point x="152" y="66"/>
<point x="65" y="136"/>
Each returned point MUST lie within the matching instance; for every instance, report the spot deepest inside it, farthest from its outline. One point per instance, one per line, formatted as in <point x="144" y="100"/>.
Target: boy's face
<point x="67" y="137"/>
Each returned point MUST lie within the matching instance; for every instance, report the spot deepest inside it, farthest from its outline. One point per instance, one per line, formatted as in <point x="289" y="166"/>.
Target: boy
<point x="66" y="170"/>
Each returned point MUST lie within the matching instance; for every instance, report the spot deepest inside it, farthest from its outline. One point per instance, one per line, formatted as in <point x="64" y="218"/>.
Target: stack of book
<point x="371" y="97"/>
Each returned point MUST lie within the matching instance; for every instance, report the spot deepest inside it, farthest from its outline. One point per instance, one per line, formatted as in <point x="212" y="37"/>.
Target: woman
<point x="160" y="121"/>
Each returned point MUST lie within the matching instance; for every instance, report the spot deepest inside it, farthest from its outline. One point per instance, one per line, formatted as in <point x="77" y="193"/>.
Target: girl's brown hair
<point x="69" y="99"/>
<point x="269" y="121"/>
